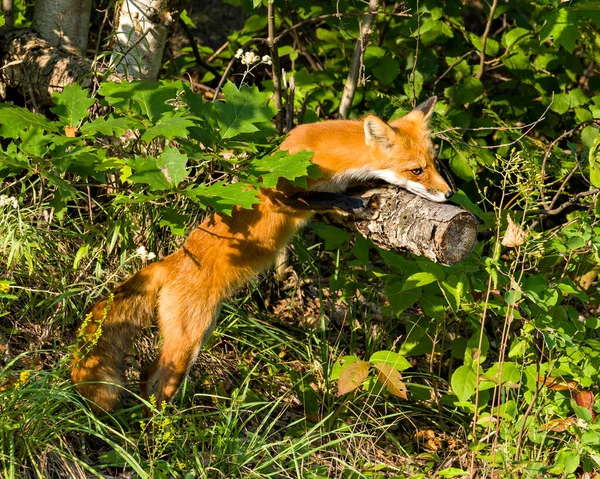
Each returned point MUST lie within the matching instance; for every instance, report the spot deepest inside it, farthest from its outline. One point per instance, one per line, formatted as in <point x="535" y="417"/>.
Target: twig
<point x="223" y="78"/>
<point x="567" y="203"/>
<point x="276" y="67"/>
<point x="329" y="15"/>
<point x="414" y="68"/>
<point x="452" y="65"/>
<point x="290" y="106"/>
<point x="352" y="81"/>
<point x="529" y="127"/>
<point x="297" y="41"/>
<point x="528" y="411"/>
<point x="194" y="46"/>
<point x="218" y="52"/>
<point x="484" y="40"/>
<point x="549" y="148"/>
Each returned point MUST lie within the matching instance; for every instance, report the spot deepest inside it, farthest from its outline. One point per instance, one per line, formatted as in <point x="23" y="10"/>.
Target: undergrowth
<point x="358" y="363"/>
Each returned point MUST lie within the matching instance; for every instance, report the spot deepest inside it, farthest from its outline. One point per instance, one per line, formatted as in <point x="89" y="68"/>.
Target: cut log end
<point x="457" y="238"/>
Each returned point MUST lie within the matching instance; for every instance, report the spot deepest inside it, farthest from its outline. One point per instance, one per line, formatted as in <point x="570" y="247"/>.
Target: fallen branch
<point x="37" y="69"/>
<point x="395" y="219"/>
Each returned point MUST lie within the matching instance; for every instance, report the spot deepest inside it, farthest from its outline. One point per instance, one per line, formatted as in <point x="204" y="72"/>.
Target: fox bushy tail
<point x="106" y="336"/>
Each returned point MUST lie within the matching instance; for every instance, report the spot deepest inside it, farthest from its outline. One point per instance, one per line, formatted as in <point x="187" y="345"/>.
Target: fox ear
<point x="426" y="108"/>
<point x="378" y="132"/>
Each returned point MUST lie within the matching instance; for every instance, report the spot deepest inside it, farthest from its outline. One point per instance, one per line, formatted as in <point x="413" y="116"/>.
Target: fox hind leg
<point x="184" y="329"/>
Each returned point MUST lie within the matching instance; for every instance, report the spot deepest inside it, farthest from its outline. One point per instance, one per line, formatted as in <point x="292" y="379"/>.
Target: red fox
<point x="185" y="290"/>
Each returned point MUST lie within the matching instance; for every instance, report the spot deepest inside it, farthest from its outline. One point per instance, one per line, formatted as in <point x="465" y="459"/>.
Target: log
<point x="395" y="219"/>
<point x="36" y="68"/>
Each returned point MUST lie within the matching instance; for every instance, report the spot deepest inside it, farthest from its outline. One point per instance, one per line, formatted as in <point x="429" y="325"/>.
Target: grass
<point x="260" y="403"/>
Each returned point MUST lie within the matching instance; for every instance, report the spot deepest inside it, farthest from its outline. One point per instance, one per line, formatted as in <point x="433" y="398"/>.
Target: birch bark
<point x="142" y="31"/>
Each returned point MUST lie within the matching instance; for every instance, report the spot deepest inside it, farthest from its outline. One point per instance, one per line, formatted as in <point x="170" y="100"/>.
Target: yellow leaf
<point x="514" y="236"/>
<point x="352" y="376"/>
<point x="391" y="379"/>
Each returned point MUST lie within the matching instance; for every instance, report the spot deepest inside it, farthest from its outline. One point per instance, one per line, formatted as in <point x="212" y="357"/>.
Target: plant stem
<point x="276" y="68"/>
<point x="484" y="40"/>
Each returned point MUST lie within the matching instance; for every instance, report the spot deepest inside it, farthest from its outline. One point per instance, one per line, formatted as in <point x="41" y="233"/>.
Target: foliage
<point x="499" y="354"/>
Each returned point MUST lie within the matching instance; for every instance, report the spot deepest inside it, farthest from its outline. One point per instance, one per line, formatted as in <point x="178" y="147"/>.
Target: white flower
<point x="144" y="255"/>
<point x="239" y="53"/>
<point x="5" y="200"/>
<point x="267" y="59"/>
<point x="250" y="58"/>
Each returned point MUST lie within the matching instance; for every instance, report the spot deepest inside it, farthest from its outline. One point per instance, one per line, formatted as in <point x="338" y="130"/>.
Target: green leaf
<point x="463" y="383"/>
<point x="514" y="36"/>
<point x="473" y="354"/>
<point x="391" y="358"/>
<point x="400" y="300"/>
<point x="452" y="472"/>
<point x="110" y="126"/>
<point x="386" y="70"/>
<point x="418" y="280"/>
<point x="294" y="167"/>
<point x="569" y="460"/>
<point x="594" y="160"/>
<point x="72" y="104"/>
<point x="14" y="120"/>
<point x="149" y="172"/>
<point x="418" y="86"/>
<point x="242" y="109"/>
<point x="169" y="128"/>
<point x="223" y="197"/>
<point x="467" y="91"/>
<point x="185" y="18"/>
<point x="147" y="98"/>
<point x="582" y="412"/>
<point x="174" y="220"/>
<point x="333" y="236"/>
<point x="173" y="164"/>
<point x="492" y="47"/>
<point x="561" y="104"/>
<point x="417" y="340"/>
<point x="34" y="142"/>
<point x="562" y="28"/>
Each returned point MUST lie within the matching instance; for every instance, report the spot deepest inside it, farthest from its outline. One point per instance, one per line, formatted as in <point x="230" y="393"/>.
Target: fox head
<point x="403" y="152"/>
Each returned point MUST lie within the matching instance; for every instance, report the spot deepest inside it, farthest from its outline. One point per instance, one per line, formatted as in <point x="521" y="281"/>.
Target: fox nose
<point x="449" y="195"/>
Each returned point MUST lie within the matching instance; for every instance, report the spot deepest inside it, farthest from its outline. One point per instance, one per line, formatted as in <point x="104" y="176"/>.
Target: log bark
<point x="36" y="68"/>
<point x="395" y="219"/>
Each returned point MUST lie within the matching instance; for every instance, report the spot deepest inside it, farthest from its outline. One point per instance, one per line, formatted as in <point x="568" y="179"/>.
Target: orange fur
<point x="185" y="290"/>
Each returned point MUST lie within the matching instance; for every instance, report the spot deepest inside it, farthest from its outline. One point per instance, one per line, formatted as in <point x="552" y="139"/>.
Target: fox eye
<point x="416" y="171"/>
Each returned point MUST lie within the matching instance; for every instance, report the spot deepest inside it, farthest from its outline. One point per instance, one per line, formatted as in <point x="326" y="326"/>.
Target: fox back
<point x="400" y="152"/>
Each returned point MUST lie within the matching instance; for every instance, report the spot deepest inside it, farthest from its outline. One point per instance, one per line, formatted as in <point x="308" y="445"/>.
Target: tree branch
<point x="484" y="40"/>
<point x="352" y="81"/>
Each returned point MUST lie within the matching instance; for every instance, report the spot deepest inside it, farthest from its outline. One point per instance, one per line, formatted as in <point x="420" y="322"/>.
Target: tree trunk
<point x="142" y="30"/>
<point x="64" y="23"/>
<point x="395" y="219"/>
